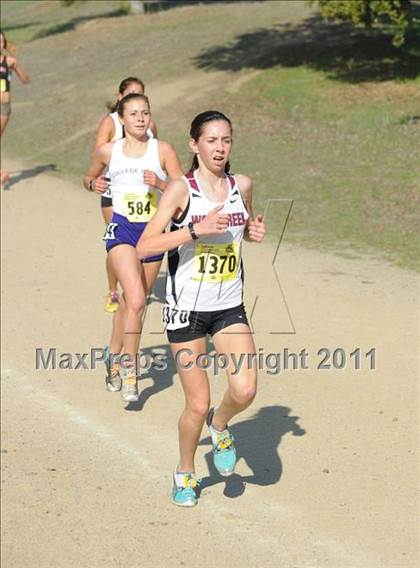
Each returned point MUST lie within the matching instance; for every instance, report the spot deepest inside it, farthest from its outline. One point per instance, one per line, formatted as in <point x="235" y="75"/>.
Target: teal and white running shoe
<point x="183" y="491"/>
<point x="224" y="453"/>
<point x="113" y="380"/>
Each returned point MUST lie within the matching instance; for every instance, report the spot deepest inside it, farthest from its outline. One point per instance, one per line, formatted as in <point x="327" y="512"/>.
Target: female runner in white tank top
<point x="111" y="129"/>
<point x="134" y="204"/>
<point x="210" y="212"/>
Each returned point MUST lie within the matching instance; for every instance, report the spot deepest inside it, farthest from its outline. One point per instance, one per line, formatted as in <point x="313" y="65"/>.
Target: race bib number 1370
<point x="215" y="262"/>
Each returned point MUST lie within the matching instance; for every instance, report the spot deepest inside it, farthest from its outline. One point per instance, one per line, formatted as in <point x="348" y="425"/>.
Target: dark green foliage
<point x="393" y="16"/>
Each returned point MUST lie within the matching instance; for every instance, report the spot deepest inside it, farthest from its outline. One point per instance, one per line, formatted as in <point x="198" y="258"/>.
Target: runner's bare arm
<point x="255" y="229"/>
<point x="174" y="199"/>
<point x="23" y="76"/>
<point x="170" y="163"/>
<point x="170" y="160"/>
<point x="105" y="133"/>
<point x="93" y="180"/>
<point x="173" y="202"/>
<point x="245" y="187"/>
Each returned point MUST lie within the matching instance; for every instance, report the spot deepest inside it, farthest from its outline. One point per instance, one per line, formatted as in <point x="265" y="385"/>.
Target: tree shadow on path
<point x="72" y="24"/>
<point x="340" y="50"/>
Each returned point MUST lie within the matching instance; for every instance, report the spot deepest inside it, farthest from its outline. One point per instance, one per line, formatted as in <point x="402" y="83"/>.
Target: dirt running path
<point x="327" y="474"/>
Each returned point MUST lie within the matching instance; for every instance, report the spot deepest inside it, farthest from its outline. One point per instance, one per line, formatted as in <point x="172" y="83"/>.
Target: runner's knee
<point x="244" y="394"/>
<point x="199" y="408"/>
<point x="135" y="303"/>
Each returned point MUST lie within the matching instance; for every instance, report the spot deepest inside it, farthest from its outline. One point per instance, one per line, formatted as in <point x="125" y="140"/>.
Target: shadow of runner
<point x="16" y="177"/>
<point x="162" y="377"/>
<point x="158" y="293"/>
<point x="256" y="441"/>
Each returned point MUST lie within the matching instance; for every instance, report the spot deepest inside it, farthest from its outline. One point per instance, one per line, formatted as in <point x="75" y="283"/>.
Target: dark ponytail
<point x="8" y="45"/>
<point x="194" y="164"/>
<point x="197" y="126"/>
<point x="113" y="106"/>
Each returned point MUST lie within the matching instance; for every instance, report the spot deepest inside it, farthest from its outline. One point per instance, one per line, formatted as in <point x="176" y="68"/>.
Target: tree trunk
<point x="137" y="7"/>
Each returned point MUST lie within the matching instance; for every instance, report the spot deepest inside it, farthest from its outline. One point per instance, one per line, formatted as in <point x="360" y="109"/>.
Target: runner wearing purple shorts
<point x="134" y="204"/>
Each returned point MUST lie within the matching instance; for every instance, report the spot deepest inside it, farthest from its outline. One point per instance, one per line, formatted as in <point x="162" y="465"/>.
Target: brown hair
<point x="130" y="97"/>
<point x="113" y="106"/>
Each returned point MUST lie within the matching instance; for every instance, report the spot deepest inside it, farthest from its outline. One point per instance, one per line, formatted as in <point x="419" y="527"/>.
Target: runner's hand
<point x="100" y="184"/>
<point x="256" y="229"/>
<point x="150" y="178"/>
<point x="213" y="223"/>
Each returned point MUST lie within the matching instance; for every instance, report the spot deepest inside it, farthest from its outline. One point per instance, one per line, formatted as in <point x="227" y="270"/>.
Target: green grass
<point x="330" y="120"/>
<point x="350" y="165"/>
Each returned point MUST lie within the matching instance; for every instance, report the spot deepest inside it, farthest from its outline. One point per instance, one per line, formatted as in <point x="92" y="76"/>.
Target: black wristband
<point x="90" y="186"/>
<point x="192" y="232"/>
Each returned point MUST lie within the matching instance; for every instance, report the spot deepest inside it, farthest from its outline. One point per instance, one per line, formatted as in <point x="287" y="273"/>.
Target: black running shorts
<point x="203" y="323"/>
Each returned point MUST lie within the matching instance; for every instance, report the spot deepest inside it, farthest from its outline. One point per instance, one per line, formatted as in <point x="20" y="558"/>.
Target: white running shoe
<point x="129" y="391"/>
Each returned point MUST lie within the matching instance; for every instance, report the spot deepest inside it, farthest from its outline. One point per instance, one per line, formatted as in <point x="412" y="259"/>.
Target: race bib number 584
<point x="140" y="208"/>
<point x="216" y="262"/>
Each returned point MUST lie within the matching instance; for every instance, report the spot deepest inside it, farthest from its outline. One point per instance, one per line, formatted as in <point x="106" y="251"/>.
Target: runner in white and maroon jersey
<point x="210" y="211"/>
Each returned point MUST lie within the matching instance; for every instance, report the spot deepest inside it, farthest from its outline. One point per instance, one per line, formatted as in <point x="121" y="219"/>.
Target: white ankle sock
<point x="215" y="434"/>
<point x="179" y="477"/>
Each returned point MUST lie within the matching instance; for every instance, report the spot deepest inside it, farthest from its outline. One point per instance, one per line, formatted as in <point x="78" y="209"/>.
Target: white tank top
<point x="131" y="197"/>
<point x="118" y="127"/>
<point x="119" y="133"/>
<point x="207" y="274"/>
